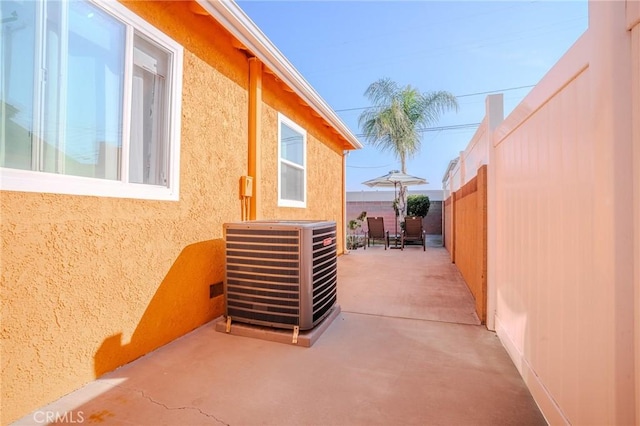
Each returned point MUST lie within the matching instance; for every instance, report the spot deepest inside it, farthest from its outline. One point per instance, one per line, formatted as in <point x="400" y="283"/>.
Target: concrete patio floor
<point x="406" y="349"/>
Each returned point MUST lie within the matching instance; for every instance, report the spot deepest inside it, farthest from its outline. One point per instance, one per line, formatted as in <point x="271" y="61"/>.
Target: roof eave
<point x="233" y="18"/>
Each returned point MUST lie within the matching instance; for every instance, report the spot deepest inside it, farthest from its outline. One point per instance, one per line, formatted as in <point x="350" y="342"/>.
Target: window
<point x="292" y="154"/>
<point x="90" y="101"/>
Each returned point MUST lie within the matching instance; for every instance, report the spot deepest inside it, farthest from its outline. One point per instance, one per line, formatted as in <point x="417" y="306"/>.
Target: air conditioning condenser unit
<point x="280" y="273"/>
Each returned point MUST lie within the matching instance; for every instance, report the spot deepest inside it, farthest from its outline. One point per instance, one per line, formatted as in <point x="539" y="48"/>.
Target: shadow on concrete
<point x="390" y="368"/>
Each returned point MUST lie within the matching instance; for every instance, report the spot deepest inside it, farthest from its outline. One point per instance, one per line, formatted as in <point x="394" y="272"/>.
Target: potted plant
<point x="352" y="238"/>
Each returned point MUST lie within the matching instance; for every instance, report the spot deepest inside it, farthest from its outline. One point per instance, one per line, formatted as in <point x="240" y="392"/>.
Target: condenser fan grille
<point x="324" y="271"/>
<point x="263" y="275"/>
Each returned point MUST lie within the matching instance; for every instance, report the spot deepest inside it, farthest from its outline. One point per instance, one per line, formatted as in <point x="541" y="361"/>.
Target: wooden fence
<point x="466" y="236"/>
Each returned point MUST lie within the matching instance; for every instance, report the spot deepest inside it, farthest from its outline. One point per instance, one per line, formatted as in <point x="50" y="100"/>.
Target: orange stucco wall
<point x="89" y="283"/>
<point x="324" y="161"/>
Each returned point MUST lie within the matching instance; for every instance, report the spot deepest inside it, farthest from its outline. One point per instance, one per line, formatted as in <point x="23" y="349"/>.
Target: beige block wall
<point x="92" y="283"/>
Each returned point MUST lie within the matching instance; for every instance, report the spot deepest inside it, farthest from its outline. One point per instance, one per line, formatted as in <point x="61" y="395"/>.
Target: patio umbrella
<point x="395" y="178"/>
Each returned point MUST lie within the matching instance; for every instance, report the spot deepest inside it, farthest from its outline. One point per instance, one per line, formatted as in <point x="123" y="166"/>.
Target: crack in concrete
<point x="153" y="401"/>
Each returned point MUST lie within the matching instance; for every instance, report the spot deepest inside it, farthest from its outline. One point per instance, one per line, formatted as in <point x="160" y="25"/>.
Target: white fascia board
<point x="452" y="164"/>
<point x="233" y="18"/>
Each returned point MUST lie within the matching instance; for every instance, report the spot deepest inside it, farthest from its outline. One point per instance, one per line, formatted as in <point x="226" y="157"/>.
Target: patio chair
<point x="413" y="232"/>
<point x="376" y="231"/>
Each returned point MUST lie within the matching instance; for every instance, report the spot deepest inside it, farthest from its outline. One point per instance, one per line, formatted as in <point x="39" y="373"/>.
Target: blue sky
<point x="464" y="47"/>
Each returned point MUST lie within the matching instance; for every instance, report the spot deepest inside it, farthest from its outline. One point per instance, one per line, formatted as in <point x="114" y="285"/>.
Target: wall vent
<point x="280" y="273"/>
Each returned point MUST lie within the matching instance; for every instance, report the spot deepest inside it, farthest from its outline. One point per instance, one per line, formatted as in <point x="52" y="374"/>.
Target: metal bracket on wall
<point x="296" y="330"/>
<point x="228" y="324"/>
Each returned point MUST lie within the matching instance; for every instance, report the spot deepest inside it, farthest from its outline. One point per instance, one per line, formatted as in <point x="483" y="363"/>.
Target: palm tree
<point x="399" y="115"/>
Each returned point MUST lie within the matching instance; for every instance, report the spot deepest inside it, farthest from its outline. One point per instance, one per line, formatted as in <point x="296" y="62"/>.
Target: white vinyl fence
<point x="563" y="248"/>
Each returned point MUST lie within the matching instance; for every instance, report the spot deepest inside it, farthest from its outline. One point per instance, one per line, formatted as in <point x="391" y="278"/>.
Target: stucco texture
<point x="90" y="283"/>
<point x="325" y="190"/>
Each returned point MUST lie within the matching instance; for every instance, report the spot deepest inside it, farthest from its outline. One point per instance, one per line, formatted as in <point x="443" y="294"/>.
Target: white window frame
<point x="43" y="182"/>
<point x="283" y="202"/>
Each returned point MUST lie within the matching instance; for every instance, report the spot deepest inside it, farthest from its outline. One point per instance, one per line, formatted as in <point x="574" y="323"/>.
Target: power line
<point x="429" y="129"/>
<point x="368" y="167"/>
<point x="440" y="128"/>
<point x="457" y="96"/>
<point x="452" y="127"/>
<point x="443" y="50"/>
<point x="494" y="91"/>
